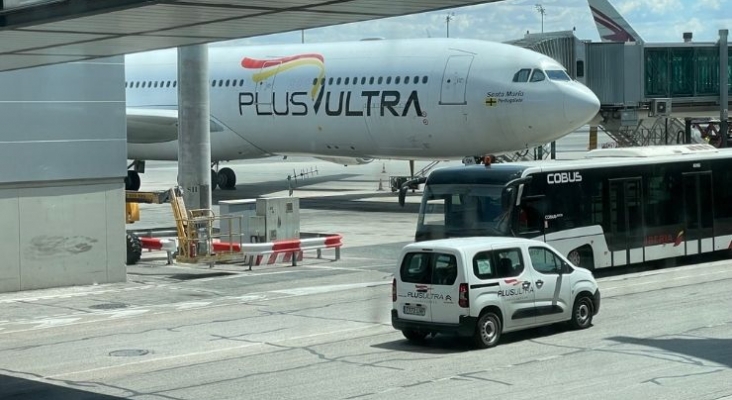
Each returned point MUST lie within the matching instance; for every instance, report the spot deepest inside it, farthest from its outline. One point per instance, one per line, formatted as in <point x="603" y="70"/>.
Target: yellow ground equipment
<point x="132" y="215"/>
<point x="197" y="240"/>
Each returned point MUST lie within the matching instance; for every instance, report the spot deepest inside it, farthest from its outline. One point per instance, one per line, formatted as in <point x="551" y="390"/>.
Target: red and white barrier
<point x="258" y="253"/>
<point x="282" y="250"/>
<point x="170" y="246"/>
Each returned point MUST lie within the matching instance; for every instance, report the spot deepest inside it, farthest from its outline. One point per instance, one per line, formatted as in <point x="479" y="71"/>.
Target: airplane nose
<point x="581" y="105"/>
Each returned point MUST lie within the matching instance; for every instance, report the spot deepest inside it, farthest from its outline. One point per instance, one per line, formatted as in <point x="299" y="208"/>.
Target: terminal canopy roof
<point x="42" y="32"/>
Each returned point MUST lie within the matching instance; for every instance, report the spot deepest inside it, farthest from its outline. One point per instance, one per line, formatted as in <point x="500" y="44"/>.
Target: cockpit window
<point x="522" y="75"/>
<point x="557" y="75"/>
<point x="537" y="76"/>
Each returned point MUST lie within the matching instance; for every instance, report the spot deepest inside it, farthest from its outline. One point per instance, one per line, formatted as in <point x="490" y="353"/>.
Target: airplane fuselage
<point x="410" y="99"/>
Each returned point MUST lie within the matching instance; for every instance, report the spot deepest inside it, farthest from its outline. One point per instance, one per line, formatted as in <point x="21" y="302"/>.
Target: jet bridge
<point x="646" y="90"/>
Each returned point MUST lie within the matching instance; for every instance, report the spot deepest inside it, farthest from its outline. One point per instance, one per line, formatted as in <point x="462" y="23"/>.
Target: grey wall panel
<point x="116" y="248"/>
<point x="63" y="235"/>
<point x="62" y="160"/>
<point x="98" y="80"/>
<point x="61" y="121"/>
<point x="9" y="241"/>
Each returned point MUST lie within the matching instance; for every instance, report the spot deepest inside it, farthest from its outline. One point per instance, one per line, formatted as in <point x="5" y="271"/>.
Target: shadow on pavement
<point x="715" y="350"/>
<point x="13" y="388"/>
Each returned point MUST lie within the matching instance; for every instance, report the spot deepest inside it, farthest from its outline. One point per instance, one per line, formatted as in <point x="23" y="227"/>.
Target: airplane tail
<point x="611" y="26"/>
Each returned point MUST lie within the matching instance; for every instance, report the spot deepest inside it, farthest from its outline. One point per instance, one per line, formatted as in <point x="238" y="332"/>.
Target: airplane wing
<point x="153" y="125"/>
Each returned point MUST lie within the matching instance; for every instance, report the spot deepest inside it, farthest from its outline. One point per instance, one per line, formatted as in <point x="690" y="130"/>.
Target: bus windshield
<point x="453" y="210"/>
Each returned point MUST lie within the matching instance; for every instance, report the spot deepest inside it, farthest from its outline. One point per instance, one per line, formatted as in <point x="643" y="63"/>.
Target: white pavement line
<point x="207" y="352"/>
<point x="161" y="309"/>
<point x="665" y="280"/>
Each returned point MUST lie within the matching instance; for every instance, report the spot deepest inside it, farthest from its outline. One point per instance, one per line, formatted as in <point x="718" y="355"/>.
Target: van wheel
<point x="581" y="313"/>
<point x="414" y="336"/>
<point x="487" y="330"/>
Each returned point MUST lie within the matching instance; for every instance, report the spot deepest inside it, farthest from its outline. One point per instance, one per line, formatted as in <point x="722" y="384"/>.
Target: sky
<point x="654" y="20"/>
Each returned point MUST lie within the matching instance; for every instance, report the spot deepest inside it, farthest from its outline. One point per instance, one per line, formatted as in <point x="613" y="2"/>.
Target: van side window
<point x="509" y="262"/>
<point x="545" y="261"/>
<point x="482" y="265"/>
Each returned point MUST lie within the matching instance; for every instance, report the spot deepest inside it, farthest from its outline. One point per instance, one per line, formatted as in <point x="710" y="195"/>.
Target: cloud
<point x="708" y="4"/>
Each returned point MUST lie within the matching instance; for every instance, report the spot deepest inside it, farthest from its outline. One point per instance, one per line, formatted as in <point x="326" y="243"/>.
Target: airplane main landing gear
<point x="132" y="181"/>
<point x="225" y="178"/>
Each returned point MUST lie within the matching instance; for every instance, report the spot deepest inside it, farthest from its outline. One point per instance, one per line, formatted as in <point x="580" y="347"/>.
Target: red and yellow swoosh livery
<point x="273" y="66"/>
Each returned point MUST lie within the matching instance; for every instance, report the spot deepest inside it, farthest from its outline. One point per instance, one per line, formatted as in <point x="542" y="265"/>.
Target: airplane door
<point x="265" y="87"/>
<point x="455" y="79"/>
<point x="698" y="220"/>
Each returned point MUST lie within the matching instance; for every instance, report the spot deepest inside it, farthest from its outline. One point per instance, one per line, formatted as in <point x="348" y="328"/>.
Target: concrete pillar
<point x="194" y="135"/>
<point x="723" y="85"/>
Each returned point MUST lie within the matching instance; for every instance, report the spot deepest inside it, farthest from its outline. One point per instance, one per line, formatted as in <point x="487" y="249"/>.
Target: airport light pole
<point x="449" y="18"/>
<point x="541" y="11"/>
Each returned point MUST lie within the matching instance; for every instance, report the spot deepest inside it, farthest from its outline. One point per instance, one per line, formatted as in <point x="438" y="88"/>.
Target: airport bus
<point x="614" y="207"/>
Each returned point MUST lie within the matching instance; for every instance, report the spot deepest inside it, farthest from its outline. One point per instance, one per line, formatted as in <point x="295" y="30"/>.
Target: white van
<point x="485" y="286"/>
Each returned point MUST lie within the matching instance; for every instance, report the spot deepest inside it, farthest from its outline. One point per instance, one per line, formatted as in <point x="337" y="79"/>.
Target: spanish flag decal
<point x="273" y="66"/>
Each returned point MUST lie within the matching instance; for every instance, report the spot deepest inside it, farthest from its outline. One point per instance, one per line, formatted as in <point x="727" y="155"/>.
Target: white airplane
<point x="351" y="102"/>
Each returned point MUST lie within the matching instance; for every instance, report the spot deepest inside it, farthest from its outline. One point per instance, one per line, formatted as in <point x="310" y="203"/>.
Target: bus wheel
<point x="582" y="257"/>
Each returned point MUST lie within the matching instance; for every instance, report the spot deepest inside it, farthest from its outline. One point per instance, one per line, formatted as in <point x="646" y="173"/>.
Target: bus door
<point x="625" y="238"/>
<point x="698" y="219"/>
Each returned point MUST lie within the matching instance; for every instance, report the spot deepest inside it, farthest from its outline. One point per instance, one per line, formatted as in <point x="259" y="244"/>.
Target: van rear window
<point x="429" y="268"/>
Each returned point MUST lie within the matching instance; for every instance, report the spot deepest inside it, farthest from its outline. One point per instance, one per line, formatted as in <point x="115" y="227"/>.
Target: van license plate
<point x="414" y="310"/>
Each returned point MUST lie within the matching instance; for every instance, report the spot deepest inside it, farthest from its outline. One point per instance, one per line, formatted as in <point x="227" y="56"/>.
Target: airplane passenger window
<point x="396" y="80"/>
<point x="241" y="82"/>
<point x="227" y="83"/>
<point x="416" y="79"/>
<point x="381" y="79"/>
<point x="137" y="84"/>
<point x="213" y="83"/>
<point x="406" y="80"/>
<point x="355" y="80"/>
<point x="424" y="79"/>
<point x="221" y="82"/>
<point x="537" y="76"/>
<point x="330" y="81"/>
<point x="348" y="79"/>
<point x="175" y="83"/>
<point x="557" y="75"/>
<point x="522" y="75"/>
<point x="167" y="84"/>
<point x="155" y="84"/>
<point x="371" y="80"/>
<point x="388" y="80"/>
<point x="338" y="81"/>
